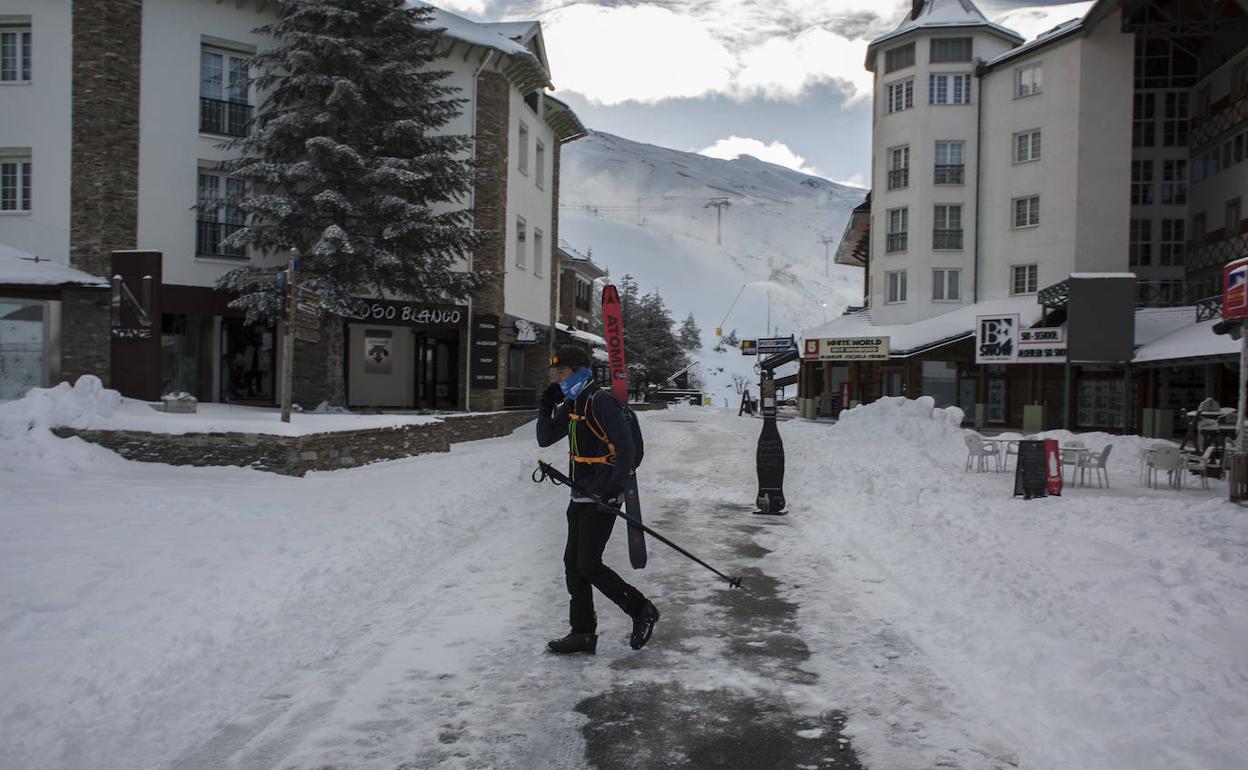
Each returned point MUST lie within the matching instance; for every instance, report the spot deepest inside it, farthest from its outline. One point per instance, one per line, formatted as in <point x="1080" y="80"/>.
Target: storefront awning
<point x="905" y="340"/>
<point x="1187" y="345"/>
<point x="19" y="269"/>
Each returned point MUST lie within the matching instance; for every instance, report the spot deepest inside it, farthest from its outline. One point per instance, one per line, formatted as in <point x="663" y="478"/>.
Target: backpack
<point x="630" y="419"/>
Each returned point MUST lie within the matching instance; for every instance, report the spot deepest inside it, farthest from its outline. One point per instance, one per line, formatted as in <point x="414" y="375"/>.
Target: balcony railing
<point x="949" y="174"/>
<point x="220" y="117"/>
<point x="898" y="177"/>
<point x="1173" y="293"/>
<point x="896" y="242"/>
<point x="210" y="237"/>
<point x="946" y="239"/>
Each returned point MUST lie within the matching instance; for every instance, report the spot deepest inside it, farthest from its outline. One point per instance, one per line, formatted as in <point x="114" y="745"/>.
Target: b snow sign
<point x="996" y="339"/>
<point x="1235" y="289"/>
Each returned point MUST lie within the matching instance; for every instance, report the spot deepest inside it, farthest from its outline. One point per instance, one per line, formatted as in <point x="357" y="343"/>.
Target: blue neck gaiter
<point x="575" y="383"/>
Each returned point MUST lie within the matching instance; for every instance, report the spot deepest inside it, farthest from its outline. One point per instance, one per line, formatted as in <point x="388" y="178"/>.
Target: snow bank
<point x="74" y="406"/>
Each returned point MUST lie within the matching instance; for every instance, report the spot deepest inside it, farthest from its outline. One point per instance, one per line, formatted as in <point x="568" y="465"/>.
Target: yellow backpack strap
<point x="601" y="435"/>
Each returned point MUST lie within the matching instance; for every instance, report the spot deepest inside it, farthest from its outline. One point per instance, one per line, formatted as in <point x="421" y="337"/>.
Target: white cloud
<point x="641" y="53"/>
<point x="691" y="48"/>
<point x="854" y="181"/>
<point x="775" y="152"/>
<point x="471" y="8"/>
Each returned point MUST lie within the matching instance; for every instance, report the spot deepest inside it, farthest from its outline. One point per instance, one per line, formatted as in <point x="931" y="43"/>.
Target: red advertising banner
<point x="1052" y="467"/>
<point x="1235" y="289"/>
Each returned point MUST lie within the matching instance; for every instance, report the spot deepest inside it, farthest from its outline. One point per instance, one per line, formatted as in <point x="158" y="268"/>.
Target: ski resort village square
<point x="702" y="385"/>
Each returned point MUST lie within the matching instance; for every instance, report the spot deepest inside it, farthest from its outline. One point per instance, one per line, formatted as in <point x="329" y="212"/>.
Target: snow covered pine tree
<point x="345" y="163"/>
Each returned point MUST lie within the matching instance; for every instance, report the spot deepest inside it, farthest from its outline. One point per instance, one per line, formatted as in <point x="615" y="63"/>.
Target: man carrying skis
<point x="601" y="451"/>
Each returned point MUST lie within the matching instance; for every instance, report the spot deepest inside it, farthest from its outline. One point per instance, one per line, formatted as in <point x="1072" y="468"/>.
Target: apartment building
<point x="1002" y="170"/>
<point x="109" y="155"/>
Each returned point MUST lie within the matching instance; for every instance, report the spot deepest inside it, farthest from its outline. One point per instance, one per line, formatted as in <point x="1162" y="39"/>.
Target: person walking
<point x="601" y="459"/>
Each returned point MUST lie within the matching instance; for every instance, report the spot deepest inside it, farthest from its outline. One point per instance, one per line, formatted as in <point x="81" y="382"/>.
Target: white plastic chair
<point x="978" y="451"/>
<point x="1200" y="463"/>
<point x="1096" y="462"/>
<point x="1070" y="458"/>
<point x="1170" y="460"/>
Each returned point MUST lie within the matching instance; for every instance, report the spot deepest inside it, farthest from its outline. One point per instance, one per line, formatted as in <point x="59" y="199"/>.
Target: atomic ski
<point x="613" y="328"/>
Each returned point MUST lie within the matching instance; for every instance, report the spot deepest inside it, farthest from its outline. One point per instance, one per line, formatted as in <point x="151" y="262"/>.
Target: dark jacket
<point x="608" y="416"/>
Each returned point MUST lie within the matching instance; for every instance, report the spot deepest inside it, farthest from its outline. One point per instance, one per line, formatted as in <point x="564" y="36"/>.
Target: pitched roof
<point x="942" y="14"/>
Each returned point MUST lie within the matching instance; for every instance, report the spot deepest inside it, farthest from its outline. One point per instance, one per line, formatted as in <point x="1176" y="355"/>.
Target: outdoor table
<point x="1079" y="453"/>
<point x="1004" y="444"/>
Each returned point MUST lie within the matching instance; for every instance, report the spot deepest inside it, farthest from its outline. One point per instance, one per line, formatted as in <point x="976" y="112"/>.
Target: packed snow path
<point x="904" y="615"/>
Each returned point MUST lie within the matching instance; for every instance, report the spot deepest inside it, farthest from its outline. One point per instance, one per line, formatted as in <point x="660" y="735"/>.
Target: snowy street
<point x="904" y="615"/>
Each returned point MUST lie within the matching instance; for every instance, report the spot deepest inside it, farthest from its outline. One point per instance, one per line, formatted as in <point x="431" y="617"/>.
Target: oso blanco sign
<point x="846" y="349"/>
<point x="1042" y="346"/>
<point x="996" y="339"/>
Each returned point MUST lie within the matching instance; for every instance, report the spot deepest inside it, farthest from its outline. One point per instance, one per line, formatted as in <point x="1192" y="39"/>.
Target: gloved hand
<point x="551" y="397"/>
<point x="612" y="493"/>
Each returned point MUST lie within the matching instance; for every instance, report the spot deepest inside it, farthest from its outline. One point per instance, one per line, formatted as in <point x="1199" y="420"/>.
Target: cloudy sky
<point x="782" y="80"/>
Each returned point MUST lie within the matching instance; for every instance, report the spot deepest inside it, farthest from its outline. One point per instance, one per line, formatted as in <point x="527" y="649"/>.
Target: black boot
<point x="643" y="625"/>
<point x="574" y="643"/>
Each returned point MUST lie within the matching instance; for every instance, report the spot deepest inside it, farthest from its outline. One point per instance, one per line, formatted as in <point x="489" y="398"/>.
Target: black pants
<point x="589" y="529"/>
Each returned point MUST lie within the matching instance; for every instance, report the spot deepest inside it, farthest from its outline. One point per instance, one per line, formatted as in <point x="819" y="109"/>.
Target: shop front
<point x="406" y="355"/>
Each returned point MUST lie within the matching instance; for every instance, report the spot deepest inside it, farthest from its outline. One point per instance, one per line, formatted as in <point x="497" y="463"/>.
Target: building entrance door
<point x="437" y="371"/>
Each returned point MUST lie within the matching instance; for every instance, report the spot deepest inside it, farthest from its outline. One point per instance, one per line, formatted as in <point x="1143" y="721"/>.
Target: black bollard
<point x="770" y="453"/>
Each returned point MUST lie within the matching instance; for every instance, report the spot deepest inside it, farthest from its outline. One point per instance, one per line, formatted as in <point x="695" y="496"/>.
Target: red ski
<point x="613" y="329"/>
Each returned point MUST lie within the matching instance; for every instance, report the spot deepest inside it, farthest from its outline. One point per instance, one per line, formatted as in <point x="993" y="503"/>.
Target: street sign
<point x="749" y="347"/>
<point x="771" y="345"/>
<point x="846" y="349"/>
<point x="1235" y="289"/>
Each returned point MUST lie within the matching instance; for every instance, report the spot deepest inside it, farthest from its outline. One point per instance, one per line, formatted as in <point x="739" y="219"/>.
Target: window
<point x="899" y="167"/>
<point x="1141" y="182"/>
<point x="223" y="107"/>
<point x="949" y="89"/>
<point x="14" y="55"/>
<point x="1143" y="129"/>
<point x="1141" y="247"/>
<point x="1027" y="146"/>
<point x="1024" y="279"/>
<point x="949" y="162"/>
<point x="901" y="95"/>
<point x="945" y="49"/>
<point x="946" y="285"/>
<point x="1174" y="181"/>
<point x="1172" y="242"/>
<point x="515" y="367"/>
<point x="217" y="220"/>
<point x="1239" y="147"/>
<point x="1028" y="81"/>
<point x="898" y="227"/>
<point x="1027" y="211"/>
<point x="522" y="149"/>
<point x="947" y="226"/>
<point x="539" y="255"/>
<point x="896" y="286"/>
<point x="15" y="184"/>
<point x="1198" y="229"/>
<point x="1174" y="129"/>
<point x="899" y="58"/>
<point x="539" y="165"/>
<point x="521" y="239"/>
<point x="1232" y="217"/>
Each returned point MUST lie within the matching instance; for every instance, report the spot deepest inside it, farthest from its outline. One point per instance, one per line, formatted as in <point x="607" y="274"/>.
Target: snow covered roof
<point x="17" y="268"/>
<point x="942" y="14"/>
<point x="1153" y="323"/>
<point x="496" y="36"/>
<point x="1061" y="31"/>
<point x="907" y="339"/>
<point x="1195" y="339"/>
<point x="586" y="337"/>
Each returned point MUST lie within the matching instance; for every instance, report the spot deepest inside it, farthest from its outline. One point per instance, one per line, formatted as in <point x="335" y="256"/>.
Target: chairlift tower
<point x="720" y="204"/>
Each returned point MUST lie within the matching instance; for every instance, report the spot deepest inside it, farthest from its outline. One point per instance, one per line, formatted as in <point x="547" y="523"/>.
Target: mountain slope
<point x="643" y="210"/>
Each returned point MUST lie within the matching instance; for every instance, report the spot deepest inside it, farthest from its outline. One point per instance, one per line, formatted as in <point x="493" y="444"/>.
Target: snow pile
<point x="75" y="406"/>
<point x="916" y="419"/>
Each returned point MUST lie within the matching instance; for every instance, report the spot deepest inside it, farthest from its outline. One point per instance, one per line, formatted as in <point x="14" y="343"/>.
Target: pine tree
<point x="653" y="336"/>
<point x="344" y="162"/>
<point x="690" y="334"/>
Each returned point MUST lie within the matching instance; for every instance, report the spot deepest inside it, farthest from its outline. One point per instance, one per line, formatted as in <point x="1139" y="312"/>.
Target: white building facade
<point x="119" y="153"/>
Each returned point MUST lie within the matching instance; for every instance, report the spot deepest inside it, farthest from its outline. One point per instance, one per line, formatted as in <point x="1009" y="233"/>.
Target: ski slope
<point x="643" y="210"/>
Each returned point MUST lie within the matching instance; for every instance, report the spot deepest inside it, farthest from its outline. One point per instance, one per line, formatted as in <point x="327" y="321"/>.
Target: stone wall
<point x="296" y="455"/>
<point x="104" y="167"/>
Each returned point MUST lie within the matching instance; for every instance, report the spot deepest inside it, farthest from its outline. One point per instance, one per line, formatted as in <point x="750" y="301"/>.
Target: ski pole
<point x="545" y="470"/>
